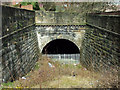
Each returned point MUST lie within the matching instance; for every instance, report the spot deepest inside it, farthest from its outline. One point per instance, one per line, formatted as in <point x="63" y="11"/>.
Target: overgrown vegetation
<point x="82" y="7"/>
<point x="63" y="76"/>
<point x="35" y="5"/>
<point x="86" y="7"/>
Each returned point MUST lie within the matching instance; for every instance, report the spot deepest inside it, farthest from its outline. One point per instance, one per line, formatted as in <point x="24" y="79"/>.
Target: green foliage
<point x="82" y="7"/>
<point x="79" y="66"/>
<point x="35" y="5"/>
<point x="49" y="6"/>
<point x="24" y="3"/>
<point x="8" y="84"/>
<point x="42" y="9"/>
<point x="60" y="9"/>
<point x="17" y="5"/>
<point x="37" y="66"/>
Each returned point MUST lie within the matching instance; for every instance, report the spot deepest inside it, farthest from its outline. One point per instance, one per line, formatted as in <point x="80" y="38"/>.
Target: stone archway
<point x="60" y="46"/>
<point x="62" y="50"/>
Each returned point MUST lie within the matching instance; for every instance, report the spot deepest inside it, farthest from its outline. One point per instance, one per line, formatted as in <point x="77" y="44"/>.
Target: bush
<point x="35" y="5"/>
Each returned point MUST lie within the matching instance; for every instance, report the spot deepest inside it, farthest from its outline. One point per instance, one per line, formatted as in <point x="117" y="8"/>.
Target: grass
<point x="7" y="84"/>
<point x="62" y="76"/>
<point x="67" y="81"/>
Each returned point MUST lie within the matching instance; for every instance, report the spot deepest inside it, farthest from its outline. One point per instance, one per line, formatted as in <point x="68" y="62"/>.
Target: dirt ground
<point x="59" y="75"/>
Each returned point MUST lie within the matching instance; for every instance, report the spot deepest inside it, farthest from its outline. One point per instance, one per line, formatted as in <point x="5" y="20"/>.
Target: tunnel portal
<point x="60" y="46"/>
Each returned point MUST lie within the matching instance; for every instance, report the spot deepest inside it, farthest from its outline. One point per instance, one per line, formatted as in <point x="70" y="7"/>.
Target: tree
<point x="35" y="5"/>
<point x="89" y="7"/>
<point x="86" y="7"/>
<point x="49" y="6"/>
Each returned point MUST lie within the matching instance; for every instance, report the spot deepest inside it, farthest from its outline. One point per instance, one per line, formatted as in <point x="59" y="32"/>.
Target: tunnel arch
<point x="60" y="46"/>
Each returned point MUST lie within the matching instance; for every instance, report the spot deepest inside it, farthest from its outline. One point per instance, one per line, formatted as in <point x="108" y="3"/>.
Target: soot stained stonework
<point x="19" y="43"/>
<point x="101" y="45"/>
<point x="19" y="53"/>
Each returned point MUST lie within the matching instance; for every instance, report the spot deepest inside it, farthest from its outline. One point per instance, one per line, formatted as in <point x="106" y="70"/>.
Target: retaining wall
<point x="19" y="42"/>
<point x="101" y="45"/>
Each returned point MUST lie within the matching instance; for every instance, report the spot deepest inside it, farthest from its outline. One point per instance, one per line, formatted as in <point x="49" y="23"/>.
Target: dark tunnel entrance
<point x="60" y="46"/>
<point x="62" y="50"/>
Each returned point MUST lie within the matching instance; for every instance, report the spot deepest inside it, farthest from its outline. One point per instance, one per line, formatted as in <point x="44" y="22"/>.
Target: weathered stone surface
<point x="59" y="18"/>
<point x="15" y="18"/>
<point x="105" y="21"/>
<point x="46" y="34"/>
<point x="18" y="55"/>
<point x="19" y="43"/>
<point x="101" y="44"/>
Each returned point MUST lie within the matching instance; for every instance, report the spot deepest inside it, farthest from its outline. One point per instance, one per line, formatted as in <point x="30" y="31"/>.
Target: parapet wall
<point x="107" y="21"/>
<point x="59" y="18"/>
<point x="15" y="18"/>
<point x="19" y="42"/>
<point x="101" y="44"/>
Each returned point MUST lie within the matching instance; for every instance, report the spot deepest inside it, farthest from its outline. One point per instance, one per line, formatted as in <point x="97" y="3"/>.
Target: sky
<point x="117" y="2"/>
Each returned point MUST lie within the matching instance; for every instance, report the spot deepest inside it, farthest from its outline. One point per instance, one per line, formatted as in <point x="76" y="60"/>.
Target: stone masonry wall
<point x="59" y="18"/>
<point x="48" y="33"/>
<point x="19" y="42"/>
<point x="101" y="45"/>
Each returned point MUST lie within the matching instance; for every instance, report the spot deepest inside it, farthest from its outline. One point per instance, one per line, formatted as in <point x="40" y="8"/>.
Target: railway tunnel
<point x="100" y="47"/>
<point x="63" y="50"/>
